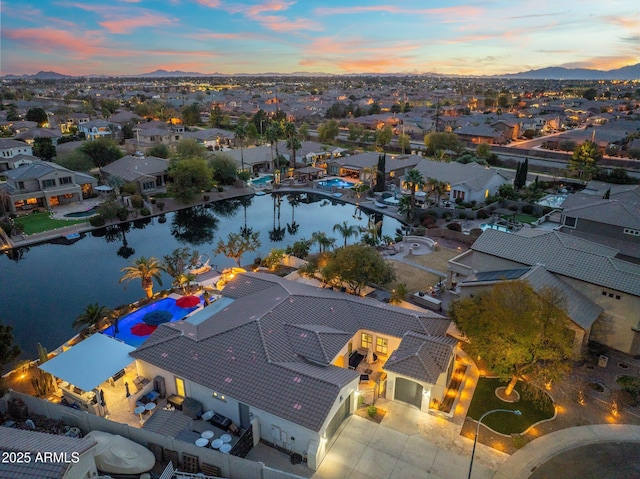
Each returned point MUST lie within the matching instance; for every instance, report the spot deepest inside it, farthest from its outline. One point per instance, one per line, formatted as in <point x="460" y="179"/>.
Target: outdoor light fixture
<point x="475" y="439"/>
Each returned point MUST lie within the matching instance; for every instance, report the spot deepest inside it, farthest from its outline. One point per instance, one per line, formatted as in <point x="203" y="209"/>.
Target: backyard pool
<point x="82" y="214"/>
<point x="491" y="226"/>
<point x="262" y="181"/>
<point x="131" y="327"/>
<point x="553" y="201"/>
<point x="334" y="182"/>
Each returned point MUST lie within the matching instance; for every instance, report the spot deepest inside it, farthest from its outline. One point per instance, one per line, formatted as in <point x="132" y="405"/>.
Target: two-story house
<point x="45" y="184"/>
<point x="10" y="149"/>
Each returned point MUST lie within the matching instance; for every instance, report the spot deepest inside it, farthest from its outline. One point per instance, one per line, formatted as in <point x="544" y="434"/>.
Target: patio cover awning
<point x="90" y="362"/>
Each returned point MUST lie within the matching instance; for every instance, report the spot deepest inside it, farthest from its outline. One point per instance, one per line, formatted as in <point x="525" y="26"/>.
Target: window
<point x="66" y="180"/>
<point x="219" y="397"/>
<point x="180" y="389"/>
<point x="570" y="221"/>
<point x="367" y="340"/>
<point x="20" y="185"/>
<point x="629" y="231"/>
<point x="148" y="185"/>
<point x="381" y="345"/>
<point x="48" y="183"/>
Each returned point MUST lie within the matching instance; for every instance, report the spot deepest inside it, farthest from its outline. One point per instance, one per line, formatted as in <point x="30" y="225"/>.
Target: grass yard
<point x="414" y="278"/>
<point x="485" y="399"/>
<point x="41" y="222"/>
<point x="527" y="219"/>
<point x="436" y="260"/>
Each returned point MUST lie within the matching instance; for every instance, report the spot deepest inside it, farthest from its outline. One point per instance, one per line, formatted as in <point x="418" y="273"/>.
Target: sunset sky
<point x="476" y="37"/>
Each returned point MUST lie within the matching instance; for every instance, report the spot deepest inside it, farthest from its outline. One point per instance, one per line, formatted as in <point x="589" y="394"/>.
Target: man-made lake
<point x="43" y="288"/>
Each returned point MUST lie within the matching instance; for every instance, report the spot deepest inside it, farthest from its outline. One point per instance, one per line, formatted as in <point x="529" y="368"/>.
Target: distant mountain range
<point x="631" y="72"/>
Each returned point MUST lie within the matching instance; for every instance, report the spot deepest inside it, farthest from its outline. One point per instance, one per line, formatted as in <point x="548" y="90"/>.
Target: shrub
<point x="528" y="209"/>
<point x="428" y="221"/>
<point x="447" y="216"/>
<point x="220" y="189"/>
<point x="205" y="198"/>
<point x="482" y="214"/>
<point x="153" y="201"/>
<point x="97" y="221"/>
<point x="137" y="201"/>
<point x="462" y="215"/>
<point x="454" y="226"/>
<point x="145" y="211"/>
<point x="372" y="411"/>
<point x="513" y="207"/>
<point x="129" y="188"/>
<point x="160" y="205"/>
<point x="123" y="214"/>
<point x="458" y="201"/>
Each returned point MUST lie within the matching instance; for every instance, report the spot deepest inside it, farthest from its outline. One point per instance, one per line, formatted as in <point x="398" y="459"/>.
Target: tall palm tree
<point x="346" y="230"/>
<point x="146" y="270"/>
<point x="184" y="281"/>
<point x="240" y="134"/>
<point x="92" y="315"/>
<point x="414" y="181"/>
<point x="272" y="134"/>
<point x="5" y="202"/>
<point x="293" y="142"/>
<point x="323" y="240"/>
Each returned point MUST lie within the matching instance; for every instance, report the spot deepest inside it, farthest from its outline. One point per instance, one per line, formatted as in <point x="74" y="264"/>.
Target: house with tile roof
<point x="46" y="456"/>
<point x="149" y="173"/>
<point x="469" y="182"/>
<point x="284" y="354"/>
<point x="593" y="270"/>
<point x="46" y="184"/>
<point x="9" y="149"/>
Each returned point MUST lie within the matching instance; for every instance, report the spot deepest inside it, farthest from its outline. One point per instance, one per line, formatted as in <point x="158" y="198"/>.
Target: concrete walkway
<point x="403" y="446"/>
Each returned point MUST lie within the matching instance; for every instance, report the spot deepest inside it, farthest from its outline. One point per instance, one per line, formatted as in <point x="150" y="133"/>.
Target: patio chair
<point x="364" y="378"/>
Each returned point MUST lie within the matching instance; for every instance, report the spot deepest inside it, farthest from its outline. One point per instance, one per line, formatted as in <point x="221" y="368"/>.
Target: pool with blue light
<point x="337" y="182"/>
<point x="122" y="330"/>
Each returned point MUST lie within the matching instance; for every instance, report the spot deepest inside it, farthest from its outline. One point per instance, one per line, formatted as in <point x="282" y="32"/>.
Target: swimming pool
<point x="337" y="182"/>
<point x="491" y="226"/>
<point x="553" y="201"/>
<point x="82" y="214"/>
<point x="123" y="331"/>
<point x="262" y="181"/>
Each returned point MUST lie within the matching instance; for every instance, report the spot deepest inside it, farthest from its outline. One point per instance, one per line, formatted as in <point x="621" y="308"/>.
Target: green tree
<point x="215" y="118"/>
<point x="224" y="168"/>
<point x="299" y="249"/>
<point x="293" y="141"/>
<point x="346" y="231"/>
<point x="519" y="333"/>
<point x="324" y="242"/>
<point x="399" y="294"/>
<point x="189" y="177"/>
<point x="190" y="148"/>
<point x="383" y="136"/>
<point x="507" y="191"/>
<point x="38" y="115"/>
<point x="101" y="151"/>
<point x="179" y="261"/>
<point x="374" y="109"/>
<point x="327" y="132"/>
<point x="355" y="132"/>
<point x="590" y="94"/>
<point x="8" y="352"/>
<point x="274" y="258"/>
<point x="381" y="173"/>
<point x="356" y="266"/>
<point x="237" y="245"/>
<point x="483" y="150"/>
<point x="303" y="131"/>
<point x="146" y="270"/>
<point x="92" y="315"/>
<point x="261" y="121"/>
<point x="414" y="181"/>
<point x="240" y="135"/>
<point x="159" y="151"/>
<point x="44" y="148"/>
<point x="584" y="160"/>
<point x="191" y="115"/>
<point x="442" y="141"/>
<point x="404" y="142"/>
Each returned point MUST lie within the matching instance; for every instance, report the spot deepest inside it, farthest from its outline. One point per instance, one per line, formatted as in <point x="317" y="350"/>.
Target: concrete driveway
<point x="406" y="444"/>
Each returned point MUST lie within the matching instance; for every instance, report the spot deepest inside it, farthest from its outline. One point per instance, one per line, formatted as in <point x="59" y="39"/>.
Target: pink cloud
<point x="210" y="3"/>
<point x="50" y="40"/>
<point x="125" y="19"/>
<point x="260" y="13"/>
<point x="465" y="11"/>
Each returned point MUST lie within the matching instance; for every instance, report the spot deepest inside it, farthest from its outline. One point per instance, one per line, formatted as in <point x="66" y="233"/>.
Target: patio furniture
<point x="354" y="359"/>
<point x="216" y="443"/>
<point x="220" y="421"/>
<point x="192" y="408"/>
<point x="225" y="448"/>
<point x="176" y="401"/>
<point x="364" y="378"/>
<point x="202" y="442"/>
<point x="226" y="438"/>
<point x="207" y="434"/>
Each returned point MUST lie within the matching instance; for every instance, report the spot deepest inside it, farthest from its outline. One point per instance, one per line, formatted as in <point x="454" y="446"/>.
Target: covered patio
<point x="308" y="173"/>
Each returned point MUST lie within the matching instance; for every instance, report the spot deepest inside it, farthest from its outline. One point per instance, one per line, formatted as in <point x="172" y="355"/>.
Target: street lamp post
<point x="475" y="439"/>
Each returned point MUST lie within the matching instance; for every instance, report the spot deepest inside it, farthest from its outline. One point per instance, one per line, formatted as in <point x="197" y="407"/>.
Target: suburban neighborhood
<point x="272" y="276"/>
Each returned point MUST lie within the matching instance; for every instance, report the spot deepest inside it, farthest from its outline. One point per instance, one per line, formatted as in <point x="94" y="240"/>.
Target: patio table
<point x="207" y="434"/>
<point x="225" y="448"/>
<point x="202" y="442"/>
<point x="226" y="438"/>
<point x="216" y="443"/>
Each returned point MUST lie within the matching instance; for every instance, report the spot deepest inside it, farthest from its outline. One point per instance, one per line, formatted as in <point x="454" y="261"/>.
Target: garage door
<point x="340" y="416"/>
<point x="409" y="392"/>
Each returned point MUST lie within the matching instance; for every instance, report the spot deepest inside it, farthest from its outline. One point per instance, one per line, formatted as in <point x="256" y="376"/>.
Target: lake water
<point x="43" y="288"/>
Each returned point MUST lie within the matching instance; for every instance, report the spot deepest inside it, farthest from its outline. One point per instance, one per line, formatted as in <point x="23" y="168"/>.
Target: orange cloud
<point x="209" y="3"/>
<point x="125" y="24"/>
<point x="260" y="13"/>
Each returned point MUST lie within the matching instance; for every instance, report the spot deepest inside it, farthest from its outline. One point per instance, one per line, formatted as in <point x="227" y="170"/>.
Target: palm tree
<point x="92" y="315"/>
<point x="346" y="231"/>
<point x="146" y="270"/>
<point x="293" y="142"/>
<point x="414" y="181"/>
<point x="292" y="227"/>
<point x="272" y="134"/>
<point x="5" y="202"/>
<point x="184" y="281"/>
<point x="323" y="240"/>
<point x="240" y="134"/>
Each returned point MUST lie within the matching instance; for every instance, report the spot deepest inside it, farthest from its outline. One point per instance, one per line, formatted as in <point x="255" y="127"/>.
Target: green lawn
<point x="485" y="399"/>
<point x="40" y="222"/>
<point x="528" y="219"/>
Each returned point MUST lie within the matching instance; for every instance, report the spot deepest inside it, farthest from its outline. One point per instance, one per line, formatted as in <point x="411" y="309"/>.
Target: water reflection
<point x="196" y="225"/>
